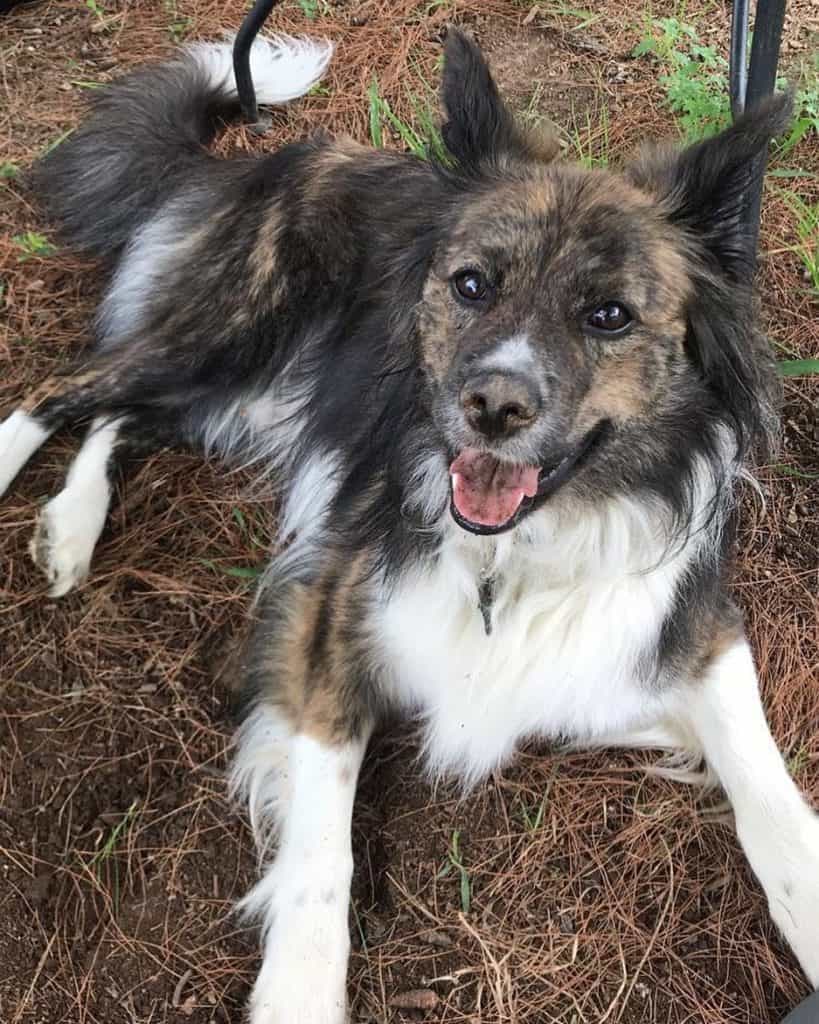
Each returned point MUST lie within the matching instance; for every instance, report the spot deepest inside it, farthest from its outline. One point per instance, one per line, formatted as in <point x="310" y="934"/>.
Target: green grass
<point x="239" y="572"/>
<point x="313" y="8"/>
<point x="582" y="18"/>
<point x="180" y="25"/>
<point x="695" y="79"/>
<point x="423" y="138"/>
<point x="56" y="142"/>
<point x="806" y="217"/>
<point x="532" y="814"/>
<point x="798" y="367"/>
<point x="798" y="760"/>
<point x="694" y="76"/>
<point x="588" y="138"/>
<point x="33" y="245"/>
<point x="455" y="861"/>
<point x="105" y="852"/>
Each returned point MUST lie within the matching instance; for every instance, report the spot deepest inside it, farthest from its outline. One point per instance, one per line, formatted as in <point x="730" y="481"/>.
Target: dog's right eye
<point x="470" y="285"/>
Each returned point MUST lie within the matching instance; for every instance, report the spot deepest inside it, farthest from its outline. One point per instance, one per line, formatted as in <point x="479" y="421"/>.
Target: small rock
<point x="436" y="937"/>
<point x="415" y="999"/>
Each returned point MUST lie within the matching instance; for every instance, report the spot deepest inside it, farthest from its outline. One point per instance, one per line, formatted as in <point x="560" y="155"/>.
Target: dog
<point x="505" y="401"/>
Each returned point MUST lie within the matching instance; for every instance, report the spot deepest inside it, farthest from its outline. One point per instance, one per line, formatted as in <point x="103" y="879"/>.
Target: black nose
<point x="500" y="404"/>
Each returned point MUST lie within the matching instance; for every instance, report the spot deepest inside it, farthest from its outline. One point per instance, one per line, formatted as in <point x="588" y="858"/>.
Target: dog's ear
<point x="703" y="191"/>
<point x="480" y="129"/>
<point x="703" y="187"/>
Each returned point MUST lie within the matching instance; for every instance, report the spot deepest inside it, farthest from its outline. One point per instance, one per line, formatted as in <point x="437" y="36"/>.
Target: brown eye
<point x="470" y="285"/>
<point x="612" y="318"/>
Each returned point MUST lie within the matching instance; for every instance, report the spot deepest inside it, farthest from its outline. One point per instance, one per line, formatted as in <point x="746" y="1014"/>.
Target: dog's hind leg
<point x="70" y="524"/>
<point x="776" y="827"/>
<point x="21" y="434"/>
<point x="61" y="398"/>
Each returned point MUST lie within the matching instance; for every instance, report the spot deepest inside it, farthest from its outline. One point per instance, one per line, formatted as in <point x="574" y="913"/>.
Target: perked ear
<point x="480" y="129"/>
<point x="703" y="188"/>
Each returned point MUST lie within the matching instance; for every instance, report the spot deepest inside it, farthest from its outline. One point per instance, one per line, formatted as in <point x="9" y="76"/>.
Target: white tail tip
<point x="282" y="67"/>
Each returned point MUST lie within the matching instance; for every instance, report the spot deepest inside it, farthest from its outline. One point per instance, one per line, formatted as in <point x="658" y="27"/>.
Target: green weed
<point x="108" y="848"/>
<point x="455" y="860"/>
<point x="246" y="529"/>
<point x="799" y="760"/>
<point x="806" y="110"/>
<point x="423" y="141"/>
<point x="96" y="8"/>
<point x="798" y="367"/>
<point x="582" y="17"/>
<point x="313" y="8"/>
<point x="180" y="25"/>
<point x="56" y="142"/>
<point x="800" y="474"/>
<point x="807" y="233"/>
<point x="589" y="138"/>
<point x="105" y="852"/>
<point x="532" y="814"/>
<point x="33" y="245"/>
<point x="8" y="170"/>
<point x="695" y="77"/>
<point x="239" y="572"/>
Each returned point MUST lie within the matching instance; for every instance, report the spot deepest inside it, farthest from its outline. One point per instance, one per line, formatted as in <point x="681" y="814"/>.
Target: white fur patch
<point x="778" y="831"/>
<point x="578" y="602"/>
<point x="303" y="896"/>
<point x="282" y="67"/>
<point x="155" y="250"/>
<point x="20" y="437"/>
<point x="309" y="496"/>
<point x="514" y="355"/>
<point x="70" y="524"/>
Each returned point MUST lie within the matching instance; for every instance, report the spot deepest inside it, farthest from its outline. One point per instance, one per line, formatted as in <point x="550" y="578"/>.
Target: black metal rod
<point x="748" y="84"/>
<point x="768" y="24"/>
<point x="241" y="57"/>
<point x="738" y="70"/>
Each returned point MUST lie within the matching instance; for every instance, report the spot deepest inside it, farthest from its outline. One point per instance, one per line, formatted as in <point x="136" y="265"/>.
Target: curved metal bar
<point x="241" y="57"/>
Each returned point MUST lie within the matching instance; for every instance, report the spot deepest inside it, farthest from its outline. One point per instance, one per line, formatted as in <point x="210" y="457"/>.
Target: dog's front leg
<point x="777" y="829"/>
<point x="297" y="764"/>
<point x="308" y="782"/>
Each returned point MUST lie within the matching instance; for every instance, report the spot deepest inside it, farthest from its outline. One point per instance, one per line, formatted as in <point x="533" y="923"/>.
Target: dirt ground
<point x="597" y="893"/>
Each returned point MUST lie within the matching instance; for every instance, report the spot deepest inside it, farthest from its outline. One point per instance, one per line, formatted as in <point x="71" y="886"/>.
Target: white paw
<point x="794" y="898"/>
<point x="64" y="540"/>
<point x="303" y="978"/>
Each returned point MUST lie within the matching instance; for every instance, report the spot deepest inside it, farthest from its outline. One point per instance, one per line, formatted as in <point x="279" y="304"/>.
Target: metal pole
<point x="738" y="73"/>
<point x="747" y="88"/>
<point x="241" y="58"/>
<point x="770" y="17"/>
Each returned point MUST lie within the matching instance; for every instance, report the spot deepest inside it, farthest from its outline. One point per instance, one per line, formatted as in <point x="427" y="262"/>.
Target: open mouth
<point x="490" y="496"/>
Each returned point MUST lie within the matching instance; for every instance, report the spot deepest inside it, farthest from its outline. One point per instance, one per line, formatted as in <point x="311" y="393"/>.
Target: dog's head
<point x="582" y="328"/>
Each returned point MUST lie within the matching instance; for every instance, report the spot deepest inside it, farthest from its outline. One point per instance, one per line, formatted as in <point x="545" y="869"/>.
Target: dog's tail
<point x="145" y="136"/>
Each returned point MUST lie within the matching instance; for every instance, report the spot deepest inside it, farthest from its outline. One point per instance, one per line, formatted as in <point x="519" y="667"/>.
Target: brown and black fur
<point x="323" y="280"/>
<point x="335" y="261"/>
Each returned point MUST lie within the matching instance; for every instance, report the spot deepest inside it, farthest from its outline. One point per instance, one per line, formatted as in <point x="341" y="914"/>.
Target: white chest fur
<point x="576" y="606"/>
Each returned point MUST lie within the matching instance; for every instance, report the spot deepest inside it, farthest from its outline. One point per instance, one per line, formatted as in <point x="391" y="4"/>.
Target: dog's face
<point x="555" y="322"/>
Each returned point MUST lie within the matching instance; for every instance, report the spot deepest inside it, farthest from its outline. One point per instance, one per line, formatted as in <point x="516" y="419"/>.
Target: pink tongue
<point x="489" y="492"/>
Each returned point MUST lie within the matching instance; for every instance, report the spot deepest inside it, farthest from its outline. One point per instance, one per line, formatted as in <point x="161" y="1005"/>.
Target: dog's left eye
<point x="470" y="285"/>
<point x="609" y="320"/>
